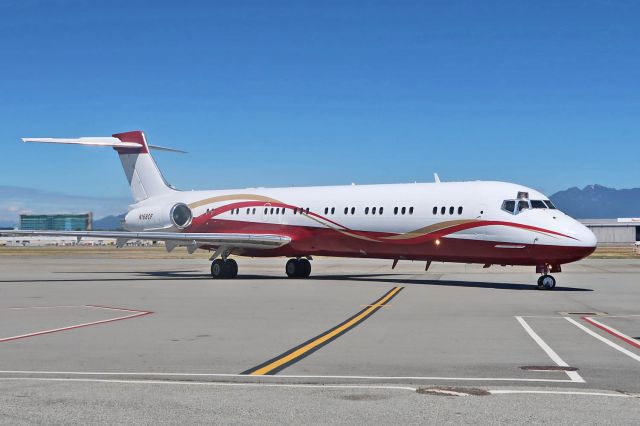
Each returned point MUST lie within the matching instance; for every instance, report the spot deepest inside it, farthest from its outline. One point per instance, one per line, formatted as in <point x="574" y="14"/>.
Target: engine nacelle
<point x="167" y="217"/>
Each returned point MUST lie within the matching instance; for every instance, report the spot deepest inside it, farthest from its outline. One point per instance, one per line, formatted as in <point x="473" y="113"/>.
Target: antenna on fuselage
<point x="436" y="178"/>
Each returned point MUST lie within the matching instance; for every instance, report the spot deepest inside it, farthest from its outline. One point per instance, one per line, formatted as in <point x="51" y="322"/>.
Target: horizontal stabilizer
<point x="100" y="141"/>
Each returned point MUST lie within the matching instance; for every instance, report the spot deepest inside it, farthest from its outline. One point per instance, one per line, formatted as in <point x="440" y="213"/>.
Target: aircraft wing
<point x="253" y="241"/>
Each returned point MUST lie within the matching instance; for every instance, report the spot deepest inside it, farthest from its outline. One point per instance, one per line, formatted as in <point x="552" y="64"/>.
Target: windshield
<point x="519" y="205"/>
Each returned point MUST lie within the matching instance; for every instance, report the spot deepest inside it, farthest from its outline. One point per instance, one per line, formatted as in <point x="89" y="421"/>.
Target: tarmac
<point x="103" y="340"/>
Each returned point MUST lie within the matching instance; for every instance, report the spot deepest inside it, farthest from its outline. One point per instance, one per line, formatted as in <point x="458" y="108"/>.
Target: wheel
<point x="547" y="282"/>
<point x="221" y="269"/>
<point x="540" y="286"/>
<point x="217" y="269"/>
<point x="304" y="268"/>
<point x="291" y="268"/>
<point x="231" y="267"/>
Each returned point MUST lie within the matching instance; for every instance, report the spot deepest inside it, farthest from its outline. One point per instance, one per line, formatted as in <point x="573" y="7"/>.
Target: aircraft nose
<point x="585" y="235"/>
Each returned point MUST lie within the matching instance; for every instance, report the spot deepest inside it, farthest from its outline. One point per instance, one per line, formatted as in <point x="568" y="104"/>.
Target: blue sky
<point x="303" y="93"/>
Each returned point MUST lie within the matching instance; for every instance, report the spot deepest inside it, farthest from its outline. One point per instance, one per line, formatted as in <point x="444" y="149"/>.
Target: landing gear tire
<point x="546" y="282"/>
<point x="221" y="269"/>
<point x="298" y="268"/>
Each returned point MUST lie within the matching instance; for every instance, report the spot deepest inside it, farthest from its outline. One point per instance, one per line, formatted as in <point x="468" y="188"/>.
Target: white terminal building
<point x="614" y="231"/>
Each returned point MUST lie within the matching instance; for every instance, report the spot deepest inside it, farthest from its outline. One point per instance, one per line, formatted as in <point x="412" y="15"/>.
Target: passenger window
<point x="451" y="210"/>
<point x="266" y="211"/>
<point x="248" y="211"/>
<point x="381" y="210"/>
<point x="435" y="210"/>
<point x="253" y="211"/>
<point x="410" y="210"/>
<point x="271" y="210"/>
<point x="550" y="204"/>
<point x="373" y="210"/>
<point x="509" y="206"/>
<point x="366" y="210"/>
<point x="443" y="210"/>
<point x="404" y="210"/>
<point x="307" y="210"/>
<point x="538" y="204"/>
<point x="283" y="209"/>
<point x="326" y="210"/>
<point x="333" y="210"/>
<point x="346" y="210"/>
<point x="395" y="210"/>
<point x="460" y="210"/>
<point x="353" y="210"/>
<point x="278" y="210"/>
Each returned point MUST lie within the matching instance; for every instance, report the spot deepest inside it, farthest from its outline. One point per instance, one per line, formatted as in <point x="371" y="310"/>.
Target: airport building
<point x="614" y="231"/>
<point x="56" y="222"/>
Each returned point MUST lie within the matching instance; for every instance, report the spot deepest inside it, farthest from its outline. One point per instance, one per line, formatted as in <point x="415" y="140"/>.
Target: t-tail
<point x="143" y="174"/>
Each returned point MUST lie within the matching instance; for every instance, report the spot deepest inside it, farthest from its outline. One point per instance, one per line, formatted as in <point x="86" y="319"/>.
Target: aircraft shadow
<point x="373" y="278"/>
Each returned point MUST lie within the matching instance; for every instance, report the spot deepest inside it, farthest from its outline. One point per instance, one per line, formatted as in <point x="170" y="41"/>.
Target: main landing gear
<point x="224" y="268"/>
<point x="298" y="268"/>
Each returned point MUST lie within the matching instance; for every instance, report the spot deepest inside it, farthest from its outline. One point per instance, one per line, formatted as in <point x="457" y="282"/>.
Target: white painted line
<point x="508" y="391"/>
<point x="276" y="377"/>
<point x="575" y="377"/>
<point x="604" y="340"/>
<point x="182" y="382"/>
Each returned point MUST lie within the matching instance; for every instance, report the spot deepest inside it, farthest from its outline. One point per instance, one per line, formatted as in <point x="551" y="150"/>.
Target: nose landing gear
<point x="546" y="282"/>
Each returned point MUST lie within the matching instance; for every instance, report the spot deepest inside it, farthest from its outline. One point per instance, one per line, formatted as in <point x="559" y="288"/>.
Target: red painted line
<point x="71" y="327"/>
<point x="613" y="332"/>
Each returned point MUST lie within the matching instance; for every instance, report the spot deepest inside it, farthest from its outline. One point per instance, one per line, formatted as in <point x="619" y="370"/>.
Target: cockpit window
<point x="550" y="204"/>
<point x="538" y="204"/>
<point x="509" y="206"/>
<point x="523" y="205"/>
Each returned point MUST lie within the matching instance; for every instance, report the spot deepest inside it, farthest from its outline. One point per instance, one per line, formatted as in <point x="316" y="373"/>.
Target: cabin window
<point x="346" y="210"/>
<point x="443" y="210"/>
<point x="353" y="210"/>
<point x="366" y="210"/>
<point x="272" y="209"/>
<point x="404" y="210"/>
<point x="460" y="210"/>
<point x="395" y="210"/>
<point x="278" y="210"/>
<point x="307" y="210"/>
<point x="451" y="210"/>
<point x="381" y="210"/>
<point x="248" y="210"/>
<point x="333" y="210"/>
<point x="253" y="211"/>
<point x="266" y="211"/>
<point x="410" y="210"/>
<point x="326" y="210"/>
<point x="435" y="210"/>
<point x="373" y="210"/>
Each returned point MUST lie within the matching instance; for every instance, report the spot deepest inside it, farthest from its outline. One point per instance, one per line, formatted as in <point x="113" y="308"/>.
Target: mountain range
<point x="598" y="202"/>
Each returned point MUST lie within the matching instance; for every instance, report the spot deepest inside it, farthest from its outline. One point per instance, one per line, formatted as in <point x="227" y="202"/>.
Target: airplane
<point x="481" y="222"/>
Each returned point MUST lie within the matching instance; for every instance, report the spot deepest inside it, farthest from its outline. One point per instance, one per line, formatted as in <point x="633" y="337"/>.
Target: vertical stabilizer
<point x="145" y="179"/>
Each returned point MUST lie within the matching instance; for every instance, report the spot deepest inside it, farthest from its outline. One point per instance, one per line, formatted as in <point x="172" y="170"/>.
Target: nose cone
<point x="585" y="236"/>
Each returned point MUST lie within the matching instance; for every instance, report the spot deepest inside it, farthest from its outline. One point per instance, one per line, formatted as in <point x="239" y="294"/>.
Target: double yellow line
<point x="294" y="355"/>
